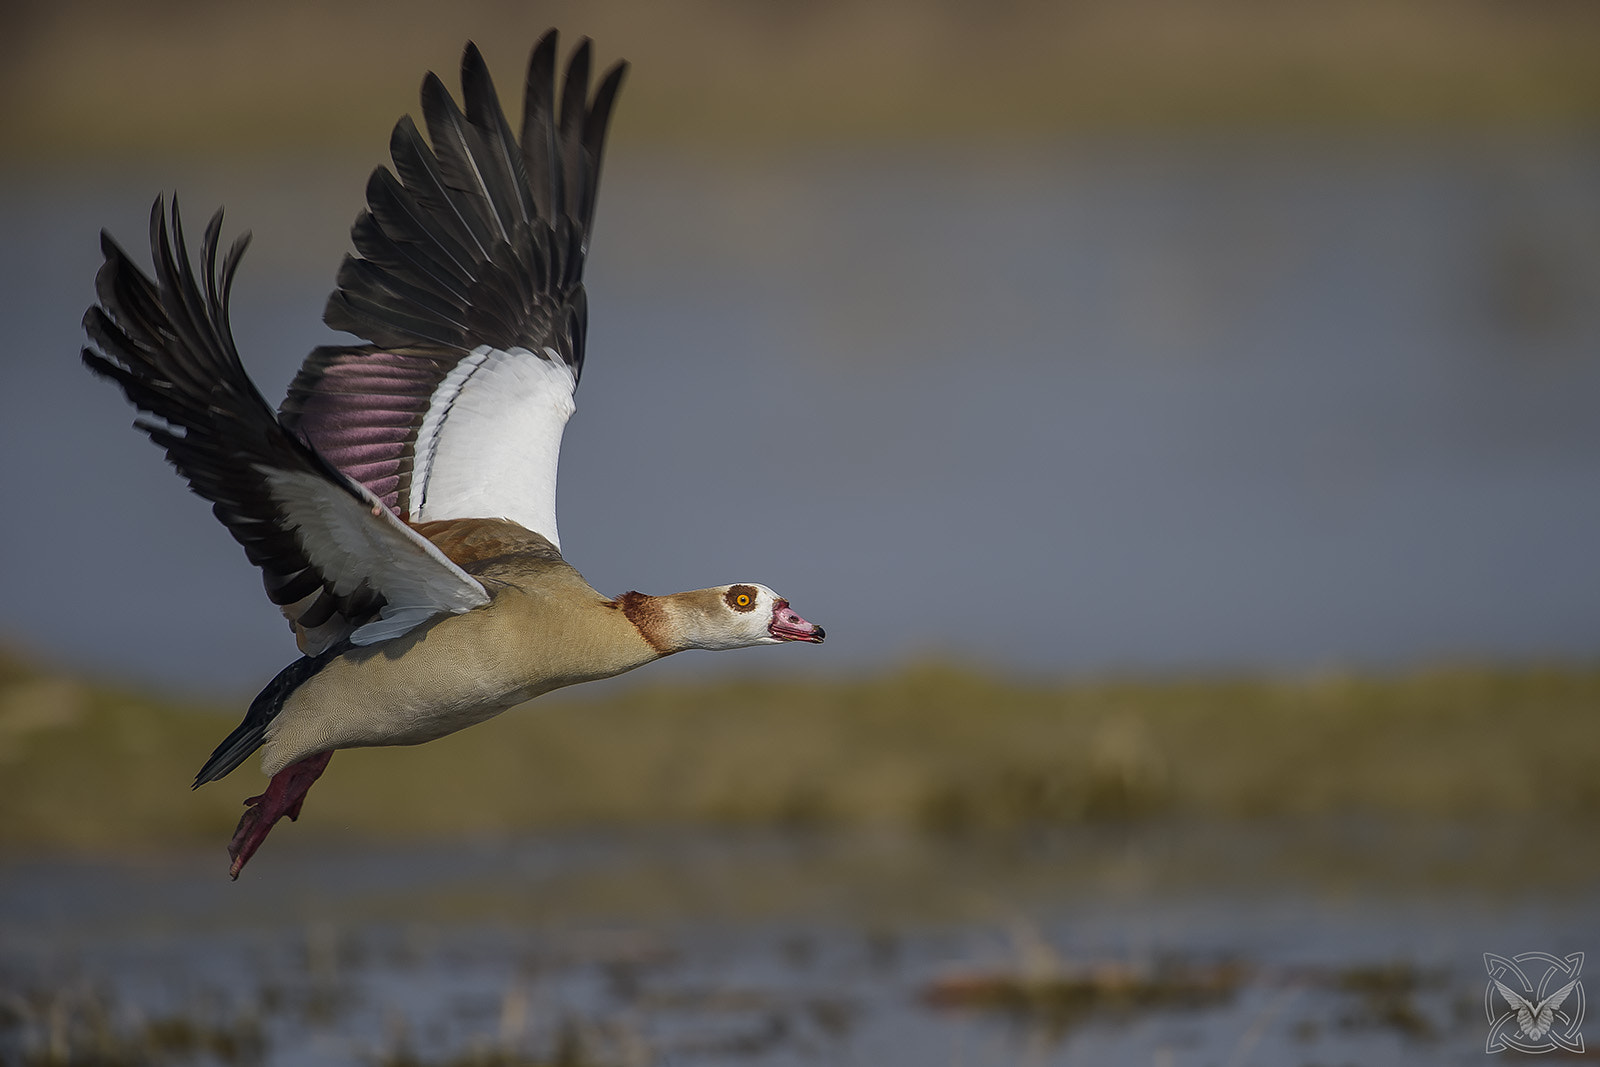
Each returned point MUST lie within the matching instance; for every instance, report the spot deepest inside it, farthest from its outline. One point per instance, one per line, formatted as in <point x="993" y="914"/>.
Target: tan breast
<point x="545" y="628"/>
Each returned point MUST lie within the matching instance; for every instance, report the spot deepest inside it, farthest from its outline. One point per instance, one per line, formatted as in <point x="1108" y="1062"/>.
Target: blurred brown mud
<point x="104" y="78"/>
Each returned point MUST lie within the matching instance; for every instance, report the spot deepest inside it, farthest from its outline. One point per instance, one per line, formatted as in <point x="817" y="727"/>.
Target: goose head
<point x="722" y="617"/>
<point x="744" y="614"/>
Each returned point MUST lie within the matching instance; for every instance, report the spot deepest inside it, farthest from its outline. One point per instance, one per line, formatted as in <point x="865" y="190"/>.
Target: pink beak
<point x="787" y="626"/>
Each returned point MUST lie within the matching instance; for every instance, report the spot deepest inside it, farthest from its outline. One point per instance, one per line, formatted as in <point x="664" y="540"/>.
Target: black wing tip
<point x="166" y="235"/>
<point x="540" y="80"/>
<point x="251" y="733"/>
<point x="98" y="364"/>
<point x="493" y="227"/>
<point x="545" y="47"/>
<point x="477" y="86"/>
<point x="109" y="246"/>
<point x="434" y="93"/>
<point x="165" y="341"/>
<point x="613" y="79"/>
<point x="582" y="53"/>
<point x="176" y="305"/>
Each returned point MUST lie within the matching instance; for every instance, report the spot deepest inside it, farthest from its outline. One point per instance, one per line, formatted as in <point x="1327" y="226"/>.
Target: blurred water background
<point x="1150" y="341"/>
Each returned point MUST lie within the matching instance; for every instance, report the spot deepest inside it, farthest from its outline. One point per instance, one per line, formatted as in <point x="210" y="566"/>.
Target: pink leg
<point x="284" y="795"/>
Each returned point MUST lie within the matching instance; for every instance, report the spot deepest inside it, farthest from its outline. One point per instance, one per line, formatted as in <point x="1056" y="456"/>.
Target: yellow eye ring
<point x="743" y="600"/>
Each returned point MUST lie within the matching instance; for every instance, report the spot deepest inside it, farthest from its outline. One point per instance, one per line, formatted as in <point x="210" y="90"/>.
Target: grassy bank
<point x="85" y="766"/>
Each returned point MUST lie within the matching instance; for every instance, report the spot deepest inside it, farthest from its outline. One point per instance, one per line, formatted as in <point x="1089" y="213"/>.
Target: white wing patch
<point x="359" y="540"/>
<point x="490" y="441"/>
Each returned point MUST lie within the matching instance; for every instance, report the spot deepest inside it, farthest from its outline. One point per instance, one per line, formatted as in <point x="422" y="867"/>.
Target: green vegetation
<point x="93" y="767"/>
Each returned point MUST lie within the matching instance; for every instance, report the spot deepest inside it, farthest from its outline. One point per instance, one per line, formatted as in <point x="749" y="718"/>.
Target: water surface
<point x="1350" y="942"/>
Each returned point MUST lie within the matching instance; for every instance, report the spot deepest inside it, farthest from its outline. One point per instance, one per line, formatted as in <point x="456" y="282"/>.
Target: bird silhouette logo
<point x="1540" y="1002"/>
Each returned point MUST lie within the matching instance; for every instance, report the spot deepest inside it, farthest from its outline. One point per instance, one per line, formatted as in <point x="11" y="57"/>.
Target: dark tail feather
<point x="249" y="734"/>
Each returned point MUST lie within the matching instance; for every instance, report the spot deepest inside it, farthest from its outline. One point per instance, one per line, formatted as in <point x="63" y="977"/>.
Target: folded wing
<point x="333" y="558"/>
<point x="468" y="284"/>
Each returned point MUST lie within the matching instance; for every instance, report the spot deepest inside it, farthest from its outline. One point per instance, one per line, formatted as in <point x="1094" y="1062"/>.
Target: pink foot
<point x="284" y="795"/>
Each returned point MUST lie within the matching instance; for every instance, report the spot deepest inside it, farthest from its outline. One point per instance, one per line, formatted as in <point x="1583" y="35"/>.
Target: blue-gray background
<point x="1058" y="400"/>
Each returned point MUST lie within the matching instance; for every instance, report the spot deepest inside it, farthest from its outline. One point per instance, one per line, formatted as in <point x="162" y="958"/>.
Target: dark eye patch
<point x="735" y="592"/>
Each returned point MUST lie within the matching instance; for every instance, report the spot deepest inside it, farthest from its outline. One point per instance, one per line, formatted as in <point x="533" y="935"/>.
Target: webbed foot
<point x="284" y="795"/>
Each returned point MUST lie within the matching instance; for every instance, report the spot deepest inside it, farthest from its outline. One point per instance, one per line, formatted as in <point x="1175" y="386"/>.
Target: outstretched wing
<point x="469" y="288"/>
<point x="333" y="558"/>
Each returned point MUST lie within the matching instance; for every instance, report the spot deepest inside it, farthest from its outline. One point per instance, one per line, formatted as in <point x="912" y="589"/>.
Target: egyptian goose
<point x="401" y="503"/>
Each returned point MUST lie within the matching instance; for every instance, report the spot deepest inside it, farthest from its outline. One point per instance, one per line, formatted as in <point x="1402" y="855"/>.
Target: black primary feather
<point x="478" y="239"/>
<point x="499" y="158"/>
<point x="168" y="343"/>
<point x="540" y="160"/>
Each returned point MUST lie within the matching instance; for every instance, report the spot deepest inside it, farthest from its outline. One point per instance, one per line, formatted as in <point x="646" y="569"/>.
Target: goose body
<point x="544" y="628"/>
<point x="401" y="503"/>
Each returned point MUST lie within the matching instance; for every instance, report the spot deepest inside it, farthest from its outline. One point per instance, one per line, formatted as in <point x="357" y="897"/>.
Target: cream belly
<point x="453" y="673"/>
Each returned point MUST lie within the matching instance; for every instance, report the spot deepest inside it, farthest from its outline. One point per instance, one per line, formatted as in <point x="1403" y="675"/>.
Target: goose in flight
<point x="401" y="502"/>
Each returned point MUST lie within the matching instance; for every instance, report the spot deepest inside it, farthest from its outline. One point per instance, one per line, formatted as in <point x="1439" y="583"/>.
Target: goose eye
<point x="742" y="600"/>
